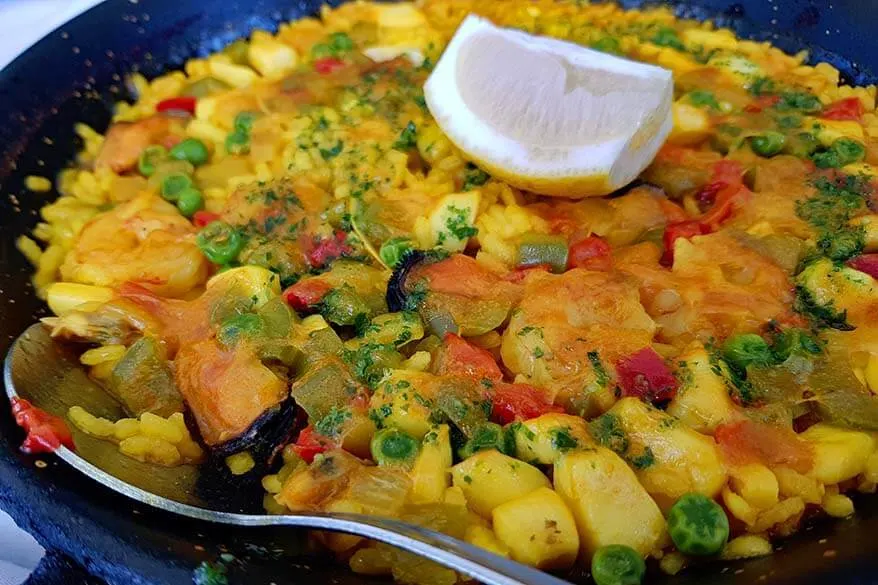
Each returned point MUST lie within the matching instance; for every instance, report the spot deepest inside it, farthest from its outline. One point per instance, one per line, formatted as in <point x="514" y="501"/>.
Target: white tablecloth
<point x="22" y="22"/>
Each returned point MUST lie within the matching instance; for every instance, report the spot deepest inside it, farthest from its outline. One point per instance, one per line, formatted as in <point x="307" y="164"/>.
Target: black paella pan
<point x="74" y="74"/>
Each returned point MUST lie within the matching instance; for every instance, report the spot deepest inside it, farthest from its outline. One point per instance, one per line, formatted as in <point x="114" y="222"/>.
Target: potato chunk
<point x="490" y="478"/>
<point x="839" y="454"/>
<point x="430" y="472"/>
<point x="703" y="401"/>
<point x="675" y="459"/>
<point x="538" y="529"/>
<point x="544" y="438"/>
<point x="609" y="504"/>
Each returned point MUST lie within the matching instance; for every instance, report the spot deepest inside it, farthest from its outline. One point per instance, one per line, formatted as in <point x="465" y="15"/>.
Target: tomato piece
<point x="724" y="192"/>
<point x="591" y="253"/>
<point x="202" y="218"/>
<point x="847" y="109"/>
<point x="310" y="444"/>
<point x="683" y="229"/>
<point x="305" y="294"/>
<point x="748" y="441"/>
<point x="645" y="375"/>
<point x="459" y="357"/>
<point x="512" y="402"/>
<point x="762" y="102"/>
<point x="46" y="432"/>
<point x="181" y="104"/>
<point x="327" y="65"/>
<point x="326" y="250"/>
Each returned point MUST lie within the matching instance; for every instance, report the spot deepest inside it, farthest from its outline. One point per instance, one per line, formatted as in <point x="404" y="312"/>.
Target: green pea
<point x="219" y="242"/>
<point x="768" y="143"/>
<point x="340" y="42"/>
<point x="149" y="158"/>
<point x="321" y="51"/>
<point x="608" y="45"/>
<point x="189" y="201"/>
<point x="191" y="150"/>
<point x="174" y="184"/>
<point x="617" y="564"/>
<point x="238" y="142"/>
<point x="849" y="151"/>
<point x="393" y="447"/>
<point x="698" y="525"/>
<point x="393" y="250"/>
<point x="244" y="121"/>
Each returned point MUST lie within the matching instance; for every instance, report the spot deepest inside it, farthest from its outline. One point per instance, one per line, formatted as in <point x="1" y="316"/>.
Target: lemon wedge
<point x="546" y="115"/>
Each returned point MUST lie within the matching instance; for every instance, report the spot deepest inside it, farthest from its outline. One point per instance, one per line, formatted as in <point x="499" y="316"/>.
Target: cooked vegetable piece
<point x="220" y="242"/>
<point x="537" y="249"/>
<point x="190" y="201"/>
<point x="191" y="150"/>
<point x="325" y="385"/>
<point x="490" y="478"/>
<point x="617" y="564"/>
<point x="603" y="493"/>
<point x="175" y="184"/>
<point x="538" y="529"/>
<point x="431" y="472"/>
<point x="544" y="438"/>
<point x="149" y="158"/>
<point x="143" y="381"/>
<point x="487" y="436"/>
<point x="698" y="525"/>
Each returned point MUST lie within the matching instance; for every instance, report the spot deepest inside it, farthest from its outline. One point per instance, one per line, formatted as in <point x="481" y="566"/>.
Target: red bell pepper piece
<point x="762" y="102"/>
<point x="591" y="253"/>
<point x="458" y="357"/>
<point x="645" y="375"/>
<point x="180" y="104"/>
<point x="310" y="443"/>
<point x="328" y="249"/>
<point x="867" y="263"/>
<point x="846" y="109"/>
<point x="45" y="432"/>
<point x="512" y="402"/>
<point x="307" y="293"/>
<point x="327" y="65"/>
<point x="683" y="229"/>
<point x="202" y="218"/>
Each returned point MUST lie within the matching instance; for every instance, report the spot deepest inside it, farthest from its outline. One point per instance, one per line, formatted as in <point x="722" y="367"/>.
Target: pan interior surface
<point x="75" y="74"/>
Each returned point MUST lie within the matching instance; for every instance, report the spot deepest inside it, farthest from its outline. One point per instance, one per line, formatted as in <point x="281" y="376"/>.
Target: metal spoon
<point x="45" y="373"/>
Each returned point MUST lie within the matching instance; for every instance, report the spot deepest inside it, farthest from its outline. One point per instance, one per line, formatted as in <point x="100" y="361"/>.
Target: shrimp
<point x="125" y="141"/>
<point x="567" y="326"/>
<point x="145" y="240"/>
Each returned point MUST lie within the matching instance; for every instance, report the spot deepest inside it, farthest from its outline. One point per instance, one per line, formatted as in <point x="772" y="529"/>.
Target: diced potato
<point x="358" y="432"/>
<point x="490" y="478"/>
<point x="676" y="61"/>
<point x="396" y="399"/>
<point x="710" y="39"/>
<point x="828" y="131"/>
<point x="870" y="227"/>
<point x="64" y="297"/>
<point x="234" y="75"/>
<point x="255" y="282"/>
<point x="755" y="483"/>
<point x="272" y="58"/>
<point x="389" y="52"/>
<point x="703" y="401"/>
<point x="538" y="529"/>
<point x="484" y="537"/>
<point x="430" y="474"/>
<point x="544" y="438"/>
<point x="691" y="124"/>
<point x="396" y="328"/>
<point x="844" y="288"/>
<point x="682" y="461"/>
<point x="839" y="454"/>
<point x="605" y="496"/>
<point x="452" y="220"/>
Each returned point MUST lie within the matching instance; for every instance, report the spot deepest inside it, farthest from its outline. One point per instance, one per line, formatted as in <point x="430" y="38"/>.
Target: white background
<point x="22" y="22"/>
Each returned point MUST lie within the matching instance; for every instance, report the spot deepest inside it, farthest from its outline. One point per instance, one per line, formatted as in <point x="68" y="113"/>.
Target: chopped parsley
<point x="702" y="97"/>
<point x="407" y="138"/>
<point x="829" y="212"/>
<point x="602" y="377"/>
<point x="562" y="440"/>
<point x="331" y="424"/>
<point x="331" y="153"/>
<point x="799" y="101"/>
<point x="762" y="86"/>
<point x="474" y="177"/>
<point x="820" y="314"/>
<point x="668" y="37"/>
<point x="607" y="430"/>
<point x="457" y="223"/>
